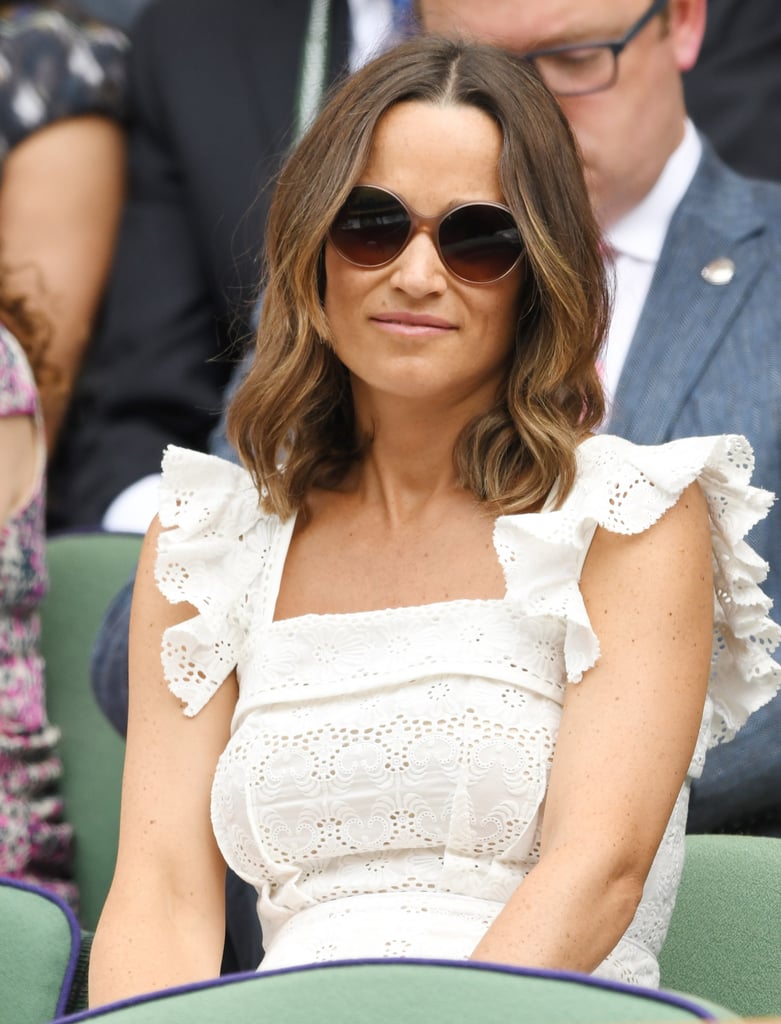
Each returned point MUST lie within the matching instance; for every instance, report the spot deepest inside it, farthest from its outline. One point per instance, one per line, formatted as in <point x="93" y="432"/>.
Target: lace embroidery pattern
<point x="330" y="655"/>
<point x="386" y="754"/>
<point x="219" y="563"/>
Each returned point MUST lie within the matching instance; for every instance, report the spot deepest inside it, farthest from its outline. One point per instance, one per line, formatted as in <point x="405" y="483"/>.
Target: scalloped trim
<point x="626" y="488"/>
<point x="221" y="554"/>
<point x="213" y="555"/>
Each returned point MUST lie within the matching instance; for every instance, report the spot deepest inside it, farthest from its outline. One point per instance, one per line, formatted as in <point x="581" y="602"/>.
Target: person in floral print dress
<point x="62" y="105"/>
<point x="35" y="840"/>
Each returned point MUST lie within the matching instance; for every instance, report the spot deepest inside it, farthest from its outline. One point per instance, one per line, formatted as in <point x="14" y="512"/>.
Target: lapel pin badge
<point x="719" y="271"/>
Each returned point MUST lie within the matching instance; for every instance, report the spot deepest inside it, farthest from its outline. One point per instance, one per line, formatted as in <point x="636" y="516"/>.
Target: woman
<point x="62" y="152"/>
<point x="441" y="689"/>
<point x="35" y="841"/>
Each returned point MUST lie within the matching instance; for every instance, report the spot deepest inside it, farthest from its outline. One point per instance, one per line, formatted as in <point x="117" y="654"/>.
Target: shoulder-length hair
<point x="292" y="420"/>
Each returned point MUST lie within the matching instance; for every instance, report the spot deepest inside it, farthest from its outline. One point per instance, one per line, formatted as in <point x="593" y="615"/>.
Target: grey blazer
<point x="706" y="358"/>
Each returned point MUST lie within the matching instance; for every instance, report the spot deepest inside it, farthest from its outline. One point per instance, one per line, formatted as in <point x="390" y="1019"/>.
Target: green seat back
<point x="724" y="942"/>
<point x="39" y="944"/>
<point x="404" y="993"/>
<point x="85" y="572"/>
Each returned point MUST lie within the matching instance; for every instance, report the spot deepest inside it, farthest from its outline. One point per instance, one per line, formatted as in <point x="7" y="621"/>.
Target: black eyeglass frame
<point x="431" y="226"/>
<point x="615" y="46"/>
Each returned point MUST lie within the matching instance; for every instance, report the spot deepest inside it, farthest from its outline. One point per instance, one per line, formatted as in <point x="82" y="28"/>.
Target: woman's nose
<point x="418" y="269"/>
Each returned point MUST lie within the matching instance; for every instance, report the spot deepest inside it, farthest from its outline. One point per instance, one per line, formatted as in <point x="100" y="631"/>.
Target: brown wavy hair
<point x="293" y="421"/>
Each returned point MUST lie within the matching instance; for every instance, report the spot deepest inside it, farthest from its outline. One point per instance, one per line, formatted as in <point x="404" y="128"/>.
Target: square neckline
<point x="283" y="547"/>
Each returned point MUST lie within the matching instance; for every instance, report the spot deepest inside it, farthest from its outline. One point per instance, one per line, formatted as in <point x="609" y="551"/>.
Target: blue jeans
<point x="108" y="668"/>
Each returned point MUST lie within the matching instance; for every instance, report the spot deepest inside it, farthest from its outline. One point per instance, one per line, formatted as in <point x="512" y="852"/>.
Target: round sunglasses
<point x="478" y="242"/>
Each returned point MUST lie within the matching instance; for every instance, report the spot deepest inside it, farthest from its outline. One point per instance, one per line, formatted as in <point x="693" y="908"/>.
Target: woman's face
<point x="411" y="329"/>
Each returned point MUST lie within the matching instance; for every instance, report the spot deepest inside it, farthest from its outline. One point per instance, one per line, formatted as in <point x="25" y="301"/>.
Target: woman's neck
<point x="408" y="467"/>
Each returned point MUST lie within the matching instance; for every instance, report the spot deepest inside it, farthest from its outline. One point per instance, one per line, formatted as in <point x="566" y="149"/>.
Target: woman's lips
<point x="412" y="324"/>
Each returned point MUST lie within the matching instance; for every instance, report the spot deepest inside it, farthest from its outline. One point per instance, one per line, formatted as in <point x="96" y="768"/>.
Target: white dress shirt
<point x="371" y="24"/>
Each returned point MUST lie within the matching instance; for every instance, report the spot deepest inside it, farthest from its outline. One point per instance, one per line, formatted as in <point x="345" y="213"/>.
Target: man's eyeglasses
<point x="478" y="242"/>
<point x="582" y="68"/>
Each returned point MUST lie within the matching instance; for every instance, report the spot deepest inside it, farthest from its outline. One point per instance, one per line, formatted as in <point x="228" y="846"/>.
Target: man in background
<point x="693" y="346"/>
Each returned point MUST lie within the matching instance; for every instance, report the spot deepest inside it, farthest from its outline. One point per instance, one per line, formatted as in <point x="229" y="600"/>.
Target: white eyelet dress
<point x="384" y="782"/>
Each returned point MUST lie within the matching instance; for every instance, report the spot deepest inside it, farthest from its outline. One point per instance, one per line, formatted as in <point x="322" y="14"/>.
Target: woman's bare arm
<point x="627" y="735"/>
<point x="60" y="201"/>
<point x="164" y="919"/>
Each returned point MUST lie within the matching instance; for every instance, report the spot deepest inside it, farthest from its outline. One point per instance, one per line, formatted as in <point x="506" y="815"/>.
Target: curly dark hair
<point x="30" y="328"/>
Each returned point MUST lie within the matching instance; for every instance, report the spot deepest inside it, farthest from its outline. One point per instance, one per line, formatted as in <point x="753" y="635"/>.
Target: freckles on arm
<point x="164" y="917"/>
<point x="625" y="741"/>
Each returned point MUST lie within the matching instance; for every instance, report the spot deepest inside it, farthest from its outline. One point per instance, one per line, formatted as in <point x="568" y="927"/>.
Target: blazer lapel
<point x="686" y="317"/>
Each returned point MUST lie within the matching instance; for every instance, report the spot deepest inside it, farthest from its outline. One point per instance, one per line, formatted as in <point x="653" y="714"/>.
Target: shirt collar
<point x="640" y="233"/>
<point x="371" y="22"/>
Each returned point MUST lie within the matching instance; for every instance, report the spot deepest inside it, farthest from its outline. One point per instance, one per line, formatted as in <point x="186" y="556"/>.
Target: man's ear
<point x="687" y="28"/>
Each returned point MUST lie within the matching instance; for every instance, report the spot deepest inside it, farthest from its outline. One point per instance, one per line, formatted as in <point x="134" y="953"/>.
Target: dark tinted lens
<point x="371" y="228"/>
<point x="480" y="243"/>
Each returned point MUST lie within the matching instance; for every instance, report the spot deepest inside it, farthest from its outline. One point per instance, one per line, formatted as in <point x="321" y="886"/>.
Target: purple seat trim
<point x="656" y="995"/>
<point x="75" y="933"/>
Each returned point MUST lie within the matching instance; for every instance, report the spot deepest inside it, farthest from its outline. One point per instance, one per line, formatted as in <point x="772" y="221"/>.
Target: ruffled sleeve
<point x="626" y="488"/>
<point x="215" y="554"/>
